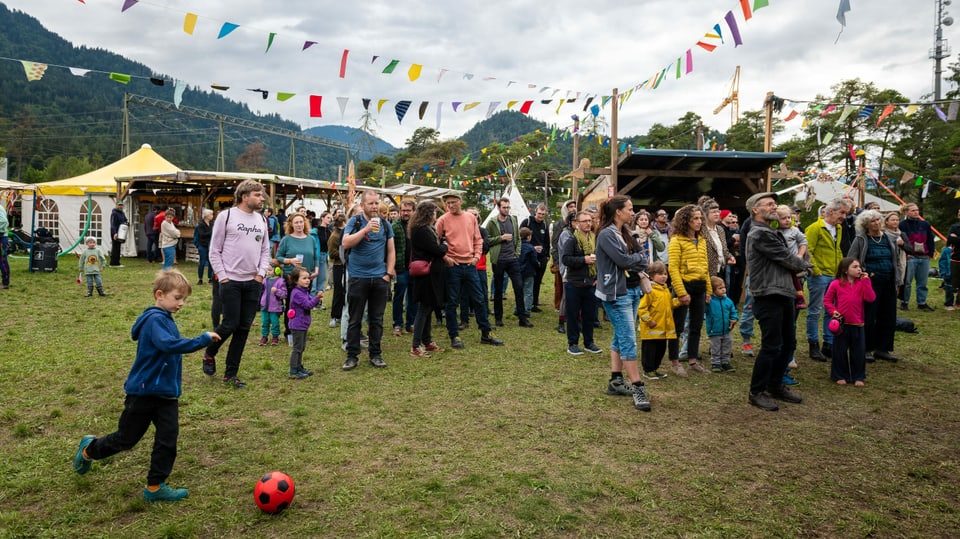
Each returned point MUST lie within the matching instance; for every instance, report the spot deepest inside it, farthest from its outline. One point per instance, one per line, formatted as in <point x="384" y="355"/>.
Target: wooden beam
<point x="633" y="172"/>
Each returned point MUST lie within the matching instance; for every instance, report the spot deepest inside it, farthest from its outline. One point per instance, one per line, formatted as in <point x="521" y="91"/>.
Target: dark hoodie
<point x="157" y="370"/>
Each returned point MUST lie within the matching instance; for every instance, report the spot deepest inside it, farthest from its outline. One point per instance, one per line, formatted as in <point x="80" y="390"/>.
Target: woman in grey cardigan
<point x="613" y="261"/>
<point x="877" y="253"/>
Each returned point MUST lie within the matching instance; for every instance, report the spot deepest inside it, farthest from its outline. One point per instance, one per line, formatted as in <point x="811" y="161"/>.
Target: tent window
<point x="96" y="221"/>
<point x="48" y="216"/>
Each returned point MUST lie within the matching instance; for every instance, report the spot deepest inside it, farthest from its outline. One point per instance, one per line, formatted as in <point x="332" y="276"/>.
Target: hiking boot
<point x="592" y="348"/>
<point x="418" y="351"/>
<point x="619" y="387"/>
<point x="234" y="382"/>
<point x="885" y="356"/>
<point x="785" y="395"/>
<point x="350" y="364"/>
<point x="263" y="341"/>
<point x="305" y="371"/>
<point x="697" y="367"/>
<point x="377" y="362"/>
<point x="487" y="338"/>
<point x="209" y="365"/>
<point x="827" y="351"/>
<point x="763" y="401"/>
<point x="640" y="400"/>
<point x="165" y="494"/>
<point x="574" y="350"/>
<point x="747" y="349"/>
<point x="298" y="375"/>
<point x="815" y="353"/>
<point x="81" y="464"/>
<point x="433" y="348"/>
<point x="456" y="342"/>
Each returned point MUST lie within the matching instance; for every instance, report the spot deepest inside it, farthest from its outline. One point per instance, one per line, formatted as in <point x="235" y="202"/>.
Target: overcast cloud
<point x="589" y="47"/>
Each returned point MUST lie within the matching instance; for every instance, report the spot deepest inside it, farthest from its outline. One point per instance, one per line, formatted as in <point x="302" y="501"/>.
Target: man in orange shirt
<point x="461" y="232"/>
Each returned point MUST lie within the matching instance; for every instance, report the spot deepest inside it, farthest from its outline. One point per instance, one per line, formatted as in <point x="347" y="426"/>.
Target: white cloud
<point x="788" y="49"/>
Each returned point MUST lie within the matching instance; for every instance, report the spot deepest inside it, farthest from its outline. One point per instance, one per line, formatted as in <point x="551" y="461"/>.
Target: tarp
<point x="826" y="190"/>
<point x="103" y="180"/>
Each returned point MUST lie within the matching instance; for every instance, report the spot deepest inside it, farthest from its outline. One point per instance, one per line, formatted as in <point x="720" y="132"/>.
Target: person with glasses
<point x="578" y="253"/>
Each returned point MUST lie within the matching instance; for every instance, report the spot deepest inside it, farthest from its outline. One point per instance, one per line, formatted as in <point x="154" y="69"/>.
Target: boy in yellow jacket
<point x="656" y="321"/>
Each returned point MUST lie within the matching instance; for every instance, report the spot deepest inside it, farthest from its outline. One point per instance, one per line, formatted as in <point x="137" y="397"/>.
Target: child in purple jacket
<point x="271" y="305"/>
<point x="301" y="302"/>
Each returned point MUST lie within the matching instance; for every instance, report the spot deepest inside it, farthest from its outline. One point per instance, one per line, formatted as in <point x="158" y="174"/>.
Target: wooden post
<point x="768" y="133"/>
<point x="576" y="159"/>
<point x="615" y="102"/>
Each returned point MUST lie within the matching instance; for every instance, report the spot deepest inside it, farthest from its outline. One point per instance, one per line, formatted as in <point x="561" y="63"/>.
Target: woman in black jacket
<point x="429" y="291"/>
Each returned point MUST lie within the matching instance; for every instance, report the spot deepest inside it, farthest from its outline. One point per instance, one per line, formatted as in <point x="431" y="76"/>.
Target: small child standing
<point x="271" y="306"/>
<point x="943" y="265"/>
<point x="844" y="301"/>
<point x="92" y="263"/>
<point x="153" y="388"/>
<point x="656" y="315"/>
<point x="301" y="302"/>
<point x="528" y="267"/>
<point x="721" y="315"/>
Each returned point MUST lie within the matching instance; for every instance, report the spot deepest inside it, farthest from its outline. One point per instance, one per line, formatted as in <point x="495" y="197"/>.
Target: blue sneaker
<point x="789" y="380"/>
<point x="81" y="464"/>
<point x="165" y="494"/>
<point x="592" y="348"/>
<point x="574" y="350"/>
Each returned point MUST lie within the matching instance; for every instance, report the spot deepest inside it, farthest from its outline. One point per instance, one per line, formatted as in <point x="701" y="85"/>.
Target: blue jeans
<point x="94" y="279"/>
<point x="169" y="256"/>
<point x="817" y="287"/>
<point x="204" y="262"/>
<point x="401" y="301"/>
<point x="746" y="317"/>
<point x="528" y="294"/>
<point x="624" y="321"/>
<point x="465" y="306"/>
<point x="320" y="283"/>
<point x="918" y="269"/>
<point x="511" y="270"/>
<point x="467" y="277"/>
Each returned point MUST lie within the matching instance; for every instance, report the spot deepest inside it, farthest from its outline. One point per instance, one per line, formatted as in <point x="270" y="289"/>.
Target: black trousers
<point x="372" y="294"/>
<point x="115" y="252"/>
<point x="240" y="302"/>
<point x="778" y="339"/>
<point x="651" y="353"/>
<point x="510" y="268"/>
<point x="339" y="295"/>
<point x="139" y="411"/>
<point x="880" y="316"/>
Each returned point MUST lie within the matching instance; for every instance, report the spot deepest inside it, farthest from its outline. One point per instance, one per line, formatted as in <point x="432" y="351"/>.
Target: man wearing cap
<point x="771" y="267"/>
<point x="117" y="218"/>
<point x="461" y="232"/>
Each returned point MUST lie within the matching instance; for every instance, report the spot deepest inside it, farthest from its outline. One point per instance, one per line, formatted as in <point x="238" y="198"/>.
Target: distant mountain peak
<point x="367" y="145"/>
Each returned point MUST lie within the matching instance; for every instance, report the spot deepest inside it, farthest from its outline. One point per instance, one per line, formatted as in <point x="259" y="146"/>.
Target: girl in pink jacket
<point x="844" y="300"/>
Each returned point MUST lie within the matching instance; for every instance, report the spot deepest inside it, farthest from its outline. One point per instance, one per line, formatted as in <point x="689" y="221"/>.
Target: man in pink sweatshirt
<point x="240" y="256"/>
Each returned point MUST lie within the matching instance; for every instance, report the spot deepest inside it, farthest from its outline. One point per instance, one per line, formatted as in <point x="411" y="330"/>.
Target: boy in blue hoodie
<point x="153" y="389"/>
<point x="721" y="317"/>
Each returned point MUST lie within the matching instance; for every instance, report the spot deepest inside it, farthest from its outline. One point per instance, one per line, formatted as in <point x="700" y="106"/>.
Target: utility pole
<point x="576" y="157"/>
<point x="614" y="106"/>
<point x="768" y="133"/>
<point x="940" y="48"/>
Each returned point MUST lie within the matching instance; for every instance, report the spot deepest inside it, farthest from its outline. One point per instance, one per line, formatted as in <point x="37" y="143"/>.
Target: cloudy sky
<point x="789" y="47"/>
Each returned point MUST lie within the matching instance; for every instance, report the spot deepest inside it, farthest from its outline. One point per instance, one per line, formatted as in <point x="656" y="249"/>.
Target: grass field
<point x="484" y="442"/>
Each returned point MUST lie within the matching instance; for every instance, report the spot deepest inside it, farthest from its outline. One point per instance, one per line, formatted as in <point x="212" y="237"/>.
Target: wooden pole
<point x="576" y="159"/>
<point x="614" y="106"/>
<point x="768" y="133"/>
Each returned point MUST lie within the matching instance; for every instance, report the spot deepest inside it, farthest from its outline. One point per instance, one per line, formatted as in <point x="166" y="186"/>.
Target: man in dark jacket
<point x="578" y="254"/>
<point x="401" y="293"/>
<point x="771" y="267"/>
<point x="117" y="218"/>
<point x="541" y="244"/>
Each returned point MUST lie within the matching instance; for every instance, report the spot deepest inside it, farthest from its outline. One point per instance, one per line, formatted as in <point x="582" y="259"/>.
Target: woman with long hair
<point x="429" y="291"/>
<point x="877" y="253"/>
<point x="643" y="233"/>
<point x="297" y="249"/>
<point x="690" y="277"/>
<point x="612" y="262"/>
<point x="718" y="256"/>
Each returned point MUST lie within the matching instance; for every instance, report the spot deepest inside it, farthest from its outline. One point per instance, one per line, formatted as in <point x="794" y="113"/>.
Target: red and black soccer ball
<point x="273" y="492"/>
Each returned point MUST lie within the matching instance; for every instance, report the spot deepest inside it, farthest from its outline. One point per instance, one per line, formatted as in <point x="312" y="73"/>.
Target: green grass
<point x="512" y="441"/>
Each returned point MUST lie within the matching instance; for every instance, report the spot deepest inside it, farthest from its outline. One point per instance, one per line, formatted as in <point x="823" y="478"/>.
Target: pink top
<point x="462" y="234"/>
<point x="240" y="245"/>
<point x="848" y="298"/>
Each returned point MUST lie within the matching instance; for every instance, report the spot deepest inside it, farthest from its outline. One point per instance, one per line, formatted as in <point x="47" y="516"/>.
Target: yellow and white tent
<point x="64" y="205"/>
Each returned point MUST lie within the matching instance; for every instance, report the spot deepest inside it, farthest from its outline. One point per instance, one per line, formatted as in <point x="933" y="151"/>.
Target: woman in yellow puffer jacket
<point x="690" y="278"/>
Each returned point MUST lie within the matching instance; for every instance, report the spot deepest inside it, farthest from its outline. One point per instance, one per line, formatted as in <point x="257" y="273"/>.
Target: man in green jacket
<point x="504" y="235"/>
<point x="823" y="239"/>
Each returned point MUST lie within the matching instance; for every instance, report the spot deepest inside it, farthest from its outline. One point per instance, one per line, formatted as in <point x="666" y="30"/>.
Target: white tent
<point x="825" y="190"/>
<point x="518" y="207"/>
<point x="81" y="206"/>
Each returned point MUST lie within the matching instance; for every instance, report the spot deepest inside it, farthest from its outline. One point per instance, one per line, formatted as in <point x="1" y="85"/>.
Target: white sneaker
<point x="333" y="323"/>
